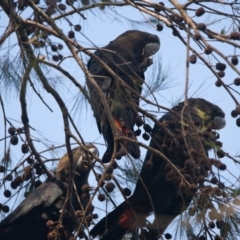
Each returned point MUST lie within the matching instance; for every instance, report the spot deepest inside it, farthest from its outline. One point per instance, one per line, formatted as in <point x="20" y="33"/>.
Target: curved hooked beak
<point x="150" y="49"/>
<point x="95" y="152"/>
<point x="219" y="123"/>
<point x="82" y="161"/>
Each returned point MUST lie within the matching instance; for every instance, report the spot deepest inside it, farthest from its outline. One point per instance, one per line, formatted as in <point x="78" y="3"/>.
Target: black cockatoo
<point x="28" y="221"/>
<point x="159" y="189"/>
<point x="128" y="56"/>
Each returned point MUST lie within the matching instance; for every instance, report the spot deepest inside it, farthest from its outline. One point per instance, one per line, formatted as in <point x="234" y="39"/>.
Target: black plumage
<point x="158" y="190"/>
<point x="128" y="57"/>
<point x="28" y="221"/>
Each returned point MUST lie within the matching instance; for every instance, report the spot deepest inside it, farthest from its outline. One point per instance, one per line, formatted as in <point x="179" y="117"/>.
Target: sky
<point x="101" y="28"/>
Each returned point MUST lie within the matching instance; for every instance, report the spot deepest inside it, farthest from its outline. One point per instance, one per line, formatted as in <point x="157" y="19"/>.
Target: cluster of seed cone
<point x="29" y="170"/>
<point x="147" y="129"/>
<point x="104" y="181"/>
<point x="194" y="171"/>
<point x="40" y="38"/>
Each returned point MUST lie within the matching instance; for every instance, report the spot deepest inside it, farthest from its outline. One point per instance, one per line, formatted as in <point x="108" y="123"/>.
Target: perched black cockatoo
<point x="179" y="140"/>
<point x="28" y="221"/>
<point x="128" y="56"/>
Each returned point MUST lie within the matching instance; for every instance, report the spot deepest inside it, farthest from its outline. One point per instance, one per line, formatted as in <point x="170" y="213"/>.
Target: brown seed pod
<point x="13" y="185"/>
<point x="30" y="160"/>
<point x="168" y="236"/>
<point x="115" y="165"/>
<point x="101" y="197"/>
<point x="218" y="83"/>
<point x="208" y="50"/>
<point x="201" y="26"/>
<point x="12" y="130"/>
<point x="148" y="165"/>
<point x="85" y="195"/>
<point x="127" y="192"/>
<point x="175" y="32"/>
<point x="52" y="235"/>
<point x="234" y="113"/>
<point x="107" y="177"/>
<point x="214" y="180"/>
<point x="197" y="36"/>
<point x="211" y="225"/>
<point x="77" y="27"/>
<point x="146" y="136"/>
<point x="71" y="34"/>
<point x="147" y="128"/>
<point x="220" y="66"/>
<point x="62" y="7"/>
<point x="200" y="11"/>
<point x="86" y="188"/>
<point x="221" y="74"/>
<point x="55" y="58"/>
<point x="110" y="186"/>
<point x="164" y="146"/>
<point x="236" y="81"/>
<point x="187" y="177"/>
<point x="139" y="121"/>
<point x="193" y="59"/>
<point x="234" y="60"/>
<point x="70" y="2"/>
<point x="138" y="132"/>
<point x="159" y="27"/>
<point x="220" y="153"/>
<point x="60" y="46"/>
<point x="7" y="193"/>
<point x="201" y="179"/>
<point x="50" y="223"/>
<point x="180" y="139"/>
<point x="95" y="216"/>
<point x="54" y="48"/>
<point x="189" y="163"/>
<point x="157" y="8"/>
<point x="193" y="188"/>
<point x="14" y="140"/>
<point x="238" y="122"/>
<point x="182" y="185"/>
<point x="24" y="148"/>
<point x="167" y="167"/>
<point x="222" y="166"/>
<point x="5" y="209"/>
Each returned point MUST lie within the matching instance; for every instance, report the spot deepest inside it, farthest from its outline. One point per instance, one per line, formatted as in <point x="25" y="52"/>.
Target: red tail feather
<point x="128" y="220"/>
